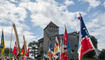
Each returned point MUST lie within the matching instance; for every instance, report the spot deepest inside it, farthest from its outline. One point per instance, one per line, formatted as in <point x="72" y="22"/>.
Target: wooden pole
<point x="17" y="40"/>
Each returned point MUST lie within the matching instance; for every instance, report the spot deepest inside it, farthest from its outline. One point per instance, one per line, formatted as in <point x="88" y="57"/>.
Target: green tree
<point x="102" y="55"/>
<point x="92" y="53"/>
<point x="33" y="46"/>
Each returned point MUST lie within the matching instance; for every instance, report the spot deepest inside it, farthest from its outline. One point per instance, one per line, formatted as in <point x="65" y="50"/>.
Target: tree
<point x="92" y="53"/>
<point x="102" y="55"/>
<point x="33" y="47"/>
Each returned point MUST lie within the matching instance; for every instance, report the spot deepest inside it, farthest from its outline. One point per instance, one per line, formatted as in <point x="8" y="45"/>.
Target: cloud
<point x="10" y="12"/>
<point x="93" y="3"/>
<point x="104" y="4"/>
<point x="41" y="13"/>
<point x="96" y="28"/>
<point x="68" y="2"/>
<point x="44" y="11"/>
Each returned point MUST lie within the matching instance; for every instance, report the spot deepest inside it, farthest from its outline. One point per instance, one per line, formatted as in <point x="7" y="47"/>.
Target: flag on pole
<point x="2" y="43"/>
<point x="56" y="48"/>
<point x="85" y="41"/>
<point x="17" y="40"/>
<point x="23" y="51"/>
<point x="50" y="51"/>
<point x="15" y="50"/>
<point x="27" y="53"/>
<point x="65" y="37"/>
<point x="64" y="55"/>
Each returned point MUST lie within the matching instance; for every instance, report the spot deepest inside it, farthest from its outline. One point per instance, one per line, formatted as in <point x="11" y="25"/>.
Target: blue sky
<point x="32" y="16"/>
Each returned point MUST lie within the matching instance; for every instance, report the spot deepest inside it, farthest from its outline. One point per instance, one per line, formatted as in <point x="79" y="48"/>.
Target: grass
<point x="90" y="59"/>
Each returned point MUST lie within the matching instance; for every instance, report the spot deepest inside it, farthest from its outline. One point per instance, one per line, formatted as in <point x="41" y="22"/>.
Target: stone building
<point x="50" y="32"/>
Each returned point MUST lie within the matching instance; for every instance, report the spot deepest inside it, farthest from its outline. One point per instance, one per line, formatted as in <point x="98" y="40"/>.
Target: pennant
<point x="50" y="51"/>
<point x="56" y="48"/>
<point x="15" y="50"/>
<point x="85" y="41"/>
<point x="2" y="43"/>
<point x="65" y="37"/>
<point x="22" y="50"/>
<point x="17" y="40"/>
<point x="27" y="53"/>
<point x="64" y="56"/>
<point x="63" y="53"/>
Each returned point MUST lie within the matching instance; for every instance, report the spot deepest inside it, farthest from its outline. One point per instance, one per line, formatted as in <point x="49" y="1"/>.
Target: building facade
<point x="50" y="32"/>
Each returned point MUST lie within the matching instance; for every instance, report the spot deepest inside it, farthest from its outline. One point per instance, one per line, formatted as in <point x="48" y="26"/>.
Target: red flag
<point x="15" y="50"/>
<point x="79" y="18"/>
<point x="65" y="37"/>
<point x="27" y="53"/>
<point x="64" y="56"/>
<point x="85" y="44"/>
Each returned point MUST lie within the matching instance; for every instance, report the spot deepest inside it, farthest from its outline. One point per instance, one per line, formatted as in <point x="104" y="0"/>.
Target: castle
<point x="50" y="32"/>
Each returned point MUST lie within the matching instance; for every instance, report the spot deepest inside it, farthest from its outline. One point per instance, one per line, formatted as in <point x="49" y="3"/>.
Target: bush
<point x="102" y="55"/>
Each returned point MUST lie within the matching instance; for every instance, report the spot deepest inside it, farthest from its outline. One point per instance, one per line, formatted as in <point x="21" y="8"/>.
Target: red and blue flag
<point x="85" y="44"/>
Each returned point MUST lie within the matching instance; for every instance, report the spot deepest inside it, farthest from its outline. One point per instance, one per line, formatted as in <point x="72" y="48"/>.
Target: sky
<point x="32" y="16"/>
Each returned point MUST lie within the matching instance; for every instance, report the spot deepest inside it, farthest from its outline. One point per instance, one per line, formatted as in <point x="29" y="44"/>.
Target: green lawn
<point x="90" y="59"/>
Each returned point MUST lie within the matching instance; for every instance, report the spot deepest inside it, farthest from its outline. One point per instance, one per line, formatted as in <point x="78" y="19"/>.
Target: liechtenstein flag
<point x="85" y="44"/>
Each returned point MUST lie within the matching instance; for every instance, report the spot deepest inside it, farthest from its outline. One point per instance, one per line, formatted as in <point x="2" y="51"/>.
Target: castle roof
<point x="50" y="25"/>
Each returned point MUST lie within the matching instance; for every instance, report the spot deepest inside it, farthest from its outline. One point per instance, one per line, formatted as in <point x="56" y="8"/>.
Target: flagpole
<point x="17" y="39"/>
<point x="10" y="42"/>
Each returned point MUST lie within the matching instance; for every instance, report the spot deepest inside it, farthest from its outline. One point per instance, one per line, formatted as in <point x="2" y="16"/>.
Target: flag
<point x="56" y="48"/>
<point x="50" y="51"/>
<point x="17" y="40"/>
<point x="65" y="37"/>
<point x="15" y="50"/>
<point x="22" y="50"/>
<point x="64" y="54"/>
<point x="2" y="43"/>
<point x="27" y="53"/>
<point x="85" y="41"/>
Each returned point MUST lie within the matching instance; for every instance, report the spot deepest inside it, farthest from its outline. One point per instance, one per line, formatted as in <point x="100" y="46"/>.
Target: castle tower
<point x="49" y="31"/>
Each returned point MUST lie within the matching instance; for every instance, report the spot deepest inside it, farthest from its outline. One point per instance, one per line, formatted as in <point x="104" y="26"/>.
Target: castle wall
<point x="51" y="31"/>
